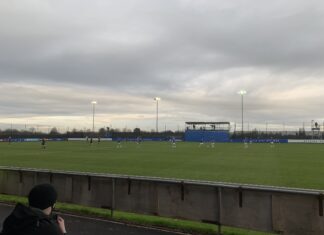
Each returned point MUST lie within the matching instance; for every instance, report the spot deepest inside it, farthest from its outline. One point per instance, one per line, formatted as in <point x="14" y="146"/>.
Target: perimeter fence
<point x="269" y="209"/>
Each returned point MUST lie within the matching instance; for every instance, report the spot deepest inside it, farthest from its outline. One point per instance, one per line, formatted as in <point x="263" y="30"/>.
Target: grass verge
<point x="145" y="220"/>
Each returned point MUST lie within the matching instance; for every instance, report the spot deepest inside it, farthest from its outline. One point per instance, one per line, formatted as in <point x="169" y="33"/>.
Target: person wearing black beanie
<point x="42" y="196"/>
<point x="37" y="218"/>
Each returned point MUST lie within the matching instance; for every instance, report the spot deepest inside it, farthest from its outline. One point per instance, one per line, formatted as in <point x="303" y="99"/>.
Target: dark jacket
<point x="29" y="221"/>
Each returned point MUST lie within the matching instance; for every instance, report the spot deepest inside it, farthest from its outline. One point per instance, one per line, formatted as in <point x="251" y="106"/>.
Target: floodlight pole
<point x="157" y="99"/>
<point x="242" y="93"/>
<point x="93" y="114"/>
<point x="242" y="116"/>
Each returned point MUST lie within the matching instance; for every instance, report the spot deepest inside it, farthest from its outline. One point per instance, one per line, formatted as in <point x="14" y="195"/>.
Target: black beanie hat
<point x="42" y="196"/>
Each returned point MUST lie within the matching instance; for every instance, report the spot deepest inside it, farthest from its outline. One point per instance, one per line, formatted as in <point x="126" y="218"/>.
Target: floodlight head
<point x="94" y="102"/>
<point x="157" y="98"/>
<point x="242" y="92"/>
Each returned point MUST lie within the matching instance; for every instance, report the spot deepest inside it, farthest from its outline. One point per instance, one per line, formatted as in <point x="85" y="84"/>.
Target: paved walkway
<point x="79" y="225"/>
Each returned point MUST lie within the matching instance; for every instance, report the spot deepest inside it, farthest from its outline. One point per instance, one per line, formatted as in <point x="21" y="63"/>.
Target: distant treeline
<point x="102" y="133"/>
<point x="116" y="133"/>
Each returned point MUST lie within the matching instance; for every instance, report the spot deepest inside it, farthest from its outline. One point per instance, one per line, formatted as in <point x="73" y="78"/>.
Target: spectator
<point x="37" y="218"/>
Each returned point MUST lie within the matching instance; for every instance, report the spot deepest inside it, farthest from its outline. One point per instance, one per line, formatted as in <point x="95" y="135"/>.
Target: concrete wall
<point x="280" y="210"/>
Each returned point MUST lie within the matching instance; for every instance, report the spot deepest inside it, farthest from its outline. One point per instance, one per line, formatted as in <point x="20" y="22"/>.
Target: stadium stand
<point x="207" y="131"/>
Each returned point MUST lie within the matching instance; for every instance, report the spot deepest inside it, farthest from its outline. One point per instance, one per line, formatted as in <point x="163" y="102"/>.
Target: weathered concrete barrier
<point x="269" y="209"/>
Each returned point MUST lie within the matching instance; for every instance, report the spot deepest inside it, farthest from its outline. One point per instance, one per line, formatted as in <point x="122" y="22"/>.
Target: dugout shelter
<point x="207" y="131"/>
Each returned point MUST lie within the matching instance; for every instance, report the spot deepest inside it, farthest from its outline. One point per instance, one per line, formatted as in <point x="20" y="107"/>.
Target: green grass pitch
<point x="290" y="165"/>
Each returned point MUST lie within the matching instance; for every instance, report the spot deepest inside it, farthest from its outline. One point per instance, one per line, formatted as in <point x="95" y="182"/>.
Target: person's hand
<point x="61" y="224"/>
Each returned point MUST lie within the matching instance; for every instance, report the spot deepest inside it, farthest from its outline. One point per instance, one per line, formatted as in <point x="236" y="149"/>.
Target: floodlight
<point x="157" y="98"/>
<point x="93" y="102"/>
<point x="242" y="92"/>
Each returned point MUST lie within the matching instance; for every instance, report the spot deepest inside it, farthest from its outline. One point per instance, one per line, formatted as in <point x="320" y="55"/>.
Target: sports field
<point x="291" y="165"/>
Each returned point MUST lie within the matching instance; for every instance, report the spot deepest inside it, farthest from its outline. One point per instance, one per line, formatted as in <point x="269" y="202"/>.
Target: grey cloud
<point x="195" y="54"/>
<point x="181" y="39"/>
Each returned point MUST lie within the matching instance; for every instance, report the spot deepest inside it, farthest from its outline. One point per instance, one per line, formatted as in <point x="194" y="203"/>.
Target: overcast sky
<point x="57" y="56"/>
